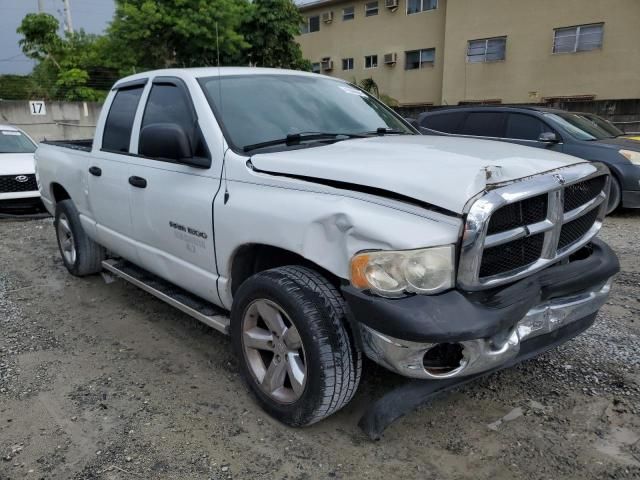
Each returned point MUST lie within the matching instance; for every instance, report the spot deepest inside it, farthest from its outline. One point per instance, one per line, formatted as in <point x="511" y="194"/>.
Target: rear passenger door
<point x="172" y="201"/>
<point x="109" y="172"/>
<point x="526" y="130"/>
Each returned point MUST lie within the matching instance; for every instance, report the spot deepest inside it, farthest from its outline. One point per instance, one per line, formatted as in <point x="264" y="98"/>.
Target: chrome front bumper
<point x="406" y="358"/>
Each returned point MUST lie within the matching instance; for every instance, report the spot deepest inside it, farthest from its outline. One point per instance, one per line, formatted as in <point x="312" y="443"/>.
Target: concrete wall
<point x="63" y="120"/>
<point x="387" y="32"/>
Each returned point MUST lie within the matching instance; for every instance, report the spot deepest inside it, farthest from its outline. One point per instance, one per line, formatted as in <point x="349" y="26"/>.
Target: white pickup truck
<point x="329" y="229"/>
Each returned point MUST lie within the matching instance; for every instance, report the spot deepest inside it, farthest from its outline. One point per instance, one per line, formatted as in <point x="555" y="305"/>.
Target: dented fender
<point x="325" y="225"/>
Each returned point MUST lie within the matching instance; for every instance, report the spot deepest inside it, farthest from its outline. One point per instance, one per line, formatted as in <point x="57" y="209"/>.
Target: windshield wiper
<point x="296" y="138"/>
<point x="386" y="131"/>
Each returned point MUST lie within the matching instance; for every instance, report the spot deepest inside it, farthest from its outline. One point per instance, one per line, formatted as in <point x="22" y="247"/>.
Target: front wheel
<point x="288" y="329"/>
<point x="615" y="195"/>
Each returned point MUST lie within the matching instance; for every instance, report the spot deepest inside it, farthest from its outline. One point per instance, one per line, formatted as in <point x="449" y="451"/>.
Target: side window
<point x="525" y="127"/>
<point x="117" y="128"/>
<point x="484" y="124"/>
<point x="168" y="103"/>
<point x="444" y="122"/>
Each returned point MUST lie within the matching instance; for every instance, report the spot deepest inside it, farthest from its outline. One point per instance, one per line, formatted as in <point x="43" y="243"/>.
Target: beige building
<point x="433" y="52"/>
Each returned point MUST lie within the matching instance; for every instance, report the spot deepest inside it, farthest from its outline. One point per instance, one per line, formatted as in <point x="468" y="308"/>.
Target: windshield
<point x="605" y="125"/>
<point x="262" y="108"/>
<point x="579" y="126"/>
<point x="12" y="141"/>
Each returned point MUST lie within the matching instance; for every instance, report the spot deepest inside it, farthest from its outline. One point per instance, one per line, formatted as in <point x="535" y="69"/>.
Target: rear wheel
<point x="615" y="195"/>
<point x="288" y="329"/>
<point x="81" y="255"/>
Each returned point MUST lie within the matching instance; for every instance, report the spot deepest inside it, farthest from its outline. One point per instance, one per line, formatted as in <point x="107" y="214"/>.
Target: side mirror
<point x="549" y="137"/>
<point x="165" y="140"/>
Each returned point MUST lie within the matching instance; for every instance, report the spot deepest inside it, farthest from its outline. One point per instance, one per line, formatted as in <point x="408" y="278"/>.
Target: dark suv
<point x="580" y="134"/>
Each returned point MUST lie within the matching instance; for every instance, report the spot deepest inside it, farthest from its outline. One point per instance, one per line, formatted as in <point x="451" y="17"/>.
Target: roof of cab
<point x="212" y="72"/>
<point x="9" y="127"/>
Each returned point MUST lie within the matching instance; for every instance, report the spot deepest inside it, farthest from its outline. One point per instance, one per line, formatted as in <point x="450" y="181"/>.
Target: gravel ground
<point x="105" y="382"/>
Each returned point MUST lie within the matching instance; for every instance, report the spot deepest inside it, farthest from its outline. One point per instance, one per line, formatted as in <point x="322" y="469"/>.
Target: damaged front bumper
<point x="480" y="355"/>
<point x="459" y="335"/>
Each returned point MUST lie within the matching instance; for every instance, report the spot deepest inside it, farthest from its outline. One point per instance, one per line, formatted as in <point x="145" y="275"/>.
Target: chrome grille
<point x="514" y="231"/>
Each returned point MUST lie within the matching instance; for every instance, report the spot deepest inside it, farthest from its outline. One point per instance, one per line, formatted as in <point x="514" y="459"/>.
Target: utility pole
<point x="68" y="24"/>
<point x="40" y="6"/>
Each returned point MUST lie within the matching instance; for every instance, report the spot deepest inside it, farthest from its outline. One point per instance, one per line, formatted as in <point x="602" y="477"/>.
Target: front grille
<point x="513" y="215"/>
<point x="576" y="229"/>
<point x="9" y="184"/>
<point x="583" y="192"/>
<point x="508" y="237"/>
<point x="511" y="256"/>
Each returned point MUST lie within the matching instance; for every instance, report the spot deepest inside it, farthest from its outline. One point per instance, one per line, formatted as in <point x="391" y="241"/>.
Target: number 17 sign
<point x="37" y="107"/>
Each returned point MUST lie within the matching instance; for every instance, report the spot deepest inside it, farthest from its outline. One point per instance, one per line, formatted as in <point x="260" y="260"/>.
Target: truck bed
<point x="84" y="145"/>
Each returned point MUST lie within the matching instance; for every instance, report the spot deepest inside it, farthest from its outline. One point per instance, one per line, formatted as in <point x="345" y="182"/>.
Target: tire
<point x="615" y="195"/>
<point x="81" y="255"/>
<point x="312" y="308"/>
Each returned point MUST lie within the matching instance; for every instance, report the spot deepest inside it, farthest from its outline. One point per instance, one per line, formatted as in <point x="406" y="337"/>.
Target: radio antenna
<point x="224" y="151"/>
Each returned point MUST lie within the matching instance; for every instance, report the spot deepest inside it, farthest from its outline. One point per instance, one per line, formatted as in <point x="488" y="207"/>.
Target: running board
<point x="194" y="306"/>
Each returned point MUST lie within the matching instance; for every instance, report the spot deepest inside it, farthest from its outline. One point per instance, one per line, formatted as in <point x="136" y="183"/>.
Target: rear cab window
<point x="117" y="129"/>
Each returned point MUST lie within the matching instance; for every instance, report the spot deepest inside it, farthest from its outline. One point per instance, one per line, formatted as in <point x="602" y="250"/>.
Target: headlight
<point x="392" y="273"/>
<point x="633" y="157"/>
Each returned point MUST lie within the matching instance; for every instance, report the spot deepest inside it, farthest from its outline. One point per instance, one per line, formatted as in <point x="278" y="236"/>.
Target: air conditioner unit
<point x="327" y="64"/>
<point x="391" y="4"/>
<point x="327" y="17"/>
<point x="390" y="58"/>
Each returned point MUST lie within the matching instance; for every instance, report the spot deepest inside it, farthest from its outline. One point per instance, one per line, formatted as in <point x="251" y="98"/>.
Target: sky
<point x="91" y="15"/>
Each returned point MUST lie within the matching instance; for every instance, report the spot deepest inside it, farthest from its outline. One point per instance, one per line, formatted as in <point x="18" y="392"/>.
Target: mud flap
<point x="415" y="393"/>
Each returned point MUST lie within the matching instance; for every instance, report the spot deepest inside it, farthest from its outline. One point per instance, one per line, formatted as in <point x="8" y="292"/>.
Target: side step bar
<point x="194" y="306"/>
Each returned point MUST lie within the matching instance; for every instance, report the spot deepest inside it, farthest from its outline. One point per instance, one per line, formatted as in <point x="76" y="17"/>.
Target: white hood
<point x="16" y="164"/>
<point x="443" y="171"/>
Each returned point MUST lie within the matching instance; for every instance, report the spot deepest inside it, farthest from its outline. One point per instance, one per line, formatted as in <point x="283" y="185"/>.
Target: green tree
<point x="270" y="29"/>
<point x="65" y="62"/>
<point x="369" y="85"/>
<point x="149" y="34"/>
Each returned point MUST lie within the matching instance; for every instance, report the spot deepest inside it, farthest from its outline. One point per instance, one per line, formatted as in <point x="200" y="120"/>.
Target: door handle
<point x="95" y="171"/>
<point x="138" y="182"/>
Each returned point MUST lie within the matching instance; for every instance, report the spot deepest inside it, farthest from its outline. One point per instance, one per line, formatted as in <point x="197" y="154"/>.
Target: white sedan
<point x="18" y="186"/>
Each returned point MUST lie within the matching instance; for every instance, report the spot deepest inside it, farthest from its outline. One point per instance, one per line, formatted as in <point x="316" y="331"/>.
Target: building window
<point x="311" y="24"/>
<point x="370" y="9"/>
<point x="315" y="67"/>
<point x="486" y="50"/>
<point x="578" y="39"/>
<point x="348" y="13"/>
<point x="416" y="59"/>
<point x="347" y="64"/>
<point x="417" y="6"/>
<point x="371" y="61"/>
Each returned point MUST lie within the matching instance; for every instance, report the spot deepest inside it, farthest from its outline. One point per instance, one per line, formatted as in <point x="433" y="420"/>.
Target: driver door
<point x="171" y="202"/>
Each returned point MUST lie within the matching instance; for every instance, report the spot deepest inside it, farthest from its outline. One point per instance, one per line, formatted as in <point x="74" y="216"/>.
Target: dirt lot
<point x="104" y="381"/>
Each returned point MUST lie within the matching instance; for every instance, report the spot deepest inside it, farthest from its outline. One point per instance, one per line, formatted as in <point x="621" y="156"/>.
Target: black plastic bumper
<point x="415" y="393"/>
<point x="456" y="316"/>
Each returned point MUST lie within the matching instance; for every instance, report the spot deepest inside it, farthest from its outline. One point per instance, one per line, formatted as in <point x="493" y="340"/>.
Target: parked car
<point x="18" y="187"/>
<point x="583" y="135"/>
<point x="329" y="228"/>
